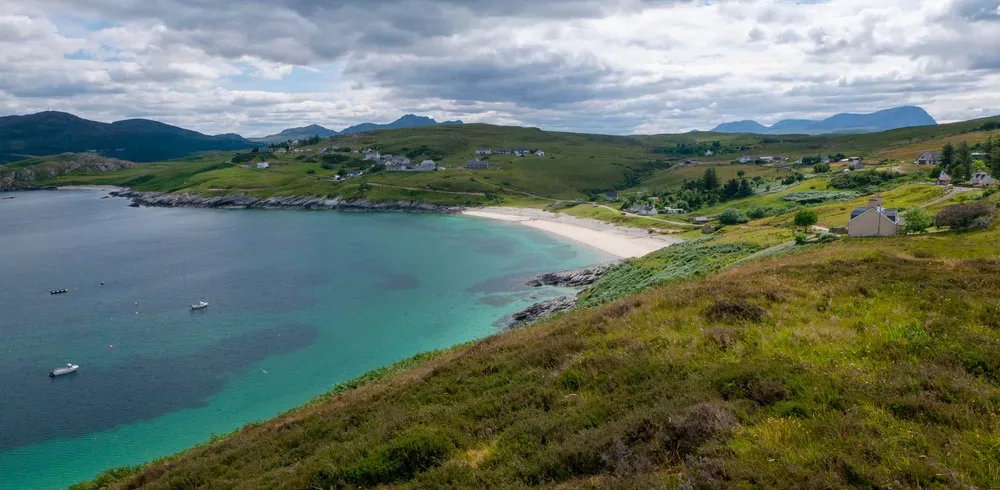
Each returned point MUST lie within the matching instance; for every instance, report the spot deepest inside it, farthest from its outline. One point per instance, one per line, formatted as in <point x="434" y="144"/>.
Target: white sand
<point x="616" y="240"/>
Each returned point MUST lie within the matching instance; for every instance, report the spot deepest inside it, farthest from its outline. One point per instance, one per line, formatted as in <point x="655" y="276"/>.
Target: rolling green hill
<point x="138" y="140"/>
<point x="575" y="166"/>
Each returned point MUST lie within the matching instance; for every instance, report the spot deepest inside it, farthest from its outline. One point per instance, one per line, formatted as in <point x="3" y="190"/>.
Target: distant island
<point x="407" y="121"/>
<point x="895" y="118"/>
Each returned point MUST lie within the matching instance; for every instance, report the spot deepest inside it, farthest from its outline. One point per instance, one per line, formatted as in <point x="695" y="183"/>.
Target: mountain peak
<point x="883" y="120"/>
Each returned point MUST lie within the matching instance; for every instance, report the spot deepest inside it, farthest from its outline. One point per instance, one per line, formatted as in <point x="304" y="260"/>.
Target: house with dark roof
<point x="983" y="179"/>
<point x="928" y="158"/>
<point x="478" y="164"/>
<point x="522" y="150"/>
<point x="483" y="151"/>
<point x="611" y="196"/>
<point x="874" y="220"/>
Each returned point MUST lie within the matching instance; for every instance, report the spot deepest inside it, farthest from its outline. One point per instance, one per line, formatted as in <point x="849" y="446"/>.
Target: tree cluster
<point x="963" y="216"/>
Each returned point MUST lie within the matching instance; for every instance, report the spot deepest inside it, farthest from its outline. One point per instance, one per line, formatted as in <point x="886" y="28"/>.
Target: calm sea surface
<point x="299" y="302"/>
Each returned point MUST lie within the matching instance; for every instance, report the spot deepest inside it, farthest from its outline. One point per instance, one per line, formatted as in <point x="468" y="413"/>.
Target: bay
<point x="299" y="301"/>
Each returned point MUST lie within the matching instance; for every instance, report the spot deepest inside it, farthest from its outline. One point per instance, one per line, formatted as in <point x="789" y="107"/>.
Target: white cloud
<point x="592" y="65"/>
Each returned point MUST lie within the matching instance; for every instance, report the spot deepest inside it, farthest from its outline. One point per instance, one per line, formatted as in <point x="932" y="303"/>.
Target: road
<point x="954" y="192"/>
<point x="675" y="223"/>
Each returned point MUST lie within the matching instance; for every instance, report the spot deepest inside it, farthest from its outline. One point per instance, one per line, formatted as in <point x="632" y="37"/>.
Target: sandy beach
<point x="616" y="240"/>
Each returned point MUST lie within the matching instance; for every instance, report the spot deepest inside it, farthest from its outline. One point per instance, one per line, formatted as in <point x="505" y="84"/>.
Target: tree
<point x="740" y="174"/>
<point x="732" y="217"/>
<point x="821" y="168"/>
<point x="970" y="215"/>
<point x="806" y="218"/>
<point x="948" y="158"/>
<point x="918" y="220"/>
<point x="745" y="189"/>
<point x="710" y="181"/>
<point x="962" y="169"/>
<point x="994" y="158"/>
<point x="731" y="189"/>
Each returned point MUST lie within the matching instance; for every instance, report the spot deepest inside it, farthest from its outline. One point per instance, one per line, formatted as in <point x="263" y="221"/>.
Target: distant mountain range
<point x="899" y="117"/>
<point x="137" y="140"/>
<point x="407" y="121"/>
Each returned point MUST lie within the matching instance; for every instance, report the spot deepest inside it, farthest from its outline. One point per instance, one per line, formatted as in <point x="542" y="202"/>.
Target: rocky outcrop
<point x="541" y="310"/>
<point x="577" y="278"/>
<point x="573" y="278"/>
<point x="243" y="201"/>
<point x="25" y="177"/>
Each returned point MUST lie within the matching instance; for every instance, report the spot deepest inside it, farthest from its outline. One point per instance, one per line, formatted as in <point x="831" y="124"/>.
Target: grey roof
<point x="892" y="214"/>
<point x="930" y="155"/>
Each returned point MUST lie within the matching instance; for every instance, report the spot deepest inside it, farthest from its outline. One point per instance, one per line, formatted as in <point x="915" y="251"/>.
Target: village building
<point x="944" y="179"/>
<point x="281" y="150"/>
<point x="983" y="179"/>
<point x="670" y="210"/>
<point x="643" y="210"/>
<point x="928" y="158"/>
<point x="745" y="159"/>
<point x="522" y="150"/>
<point x="265" y="149"/>
<point x="700" y="220"/>
<point x="263" y="165"/>
<point x="483" y="151"/>
<point x="356" y="173"/>
<point x="874" y="220"/>
<point x="856" y="164"/>
<point x="372" y="156"/>
<point x="478" y="164"/>
<point x="540" y="153"/>
<point x="611" y="196"/>
<point x="766" y="159"/>
<point x="709" y="153"/>
<point x="504" y="151"/>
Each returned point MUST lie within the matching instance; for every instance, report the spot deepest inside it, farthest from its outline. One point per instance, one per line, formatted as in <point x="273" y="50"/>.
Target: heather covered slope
<point x="860" y="363"/>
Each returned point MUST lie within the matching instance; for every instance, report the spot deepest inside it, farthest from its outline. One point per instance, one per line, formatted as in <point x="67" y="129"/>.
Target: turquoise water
<point x="299" y="302"/>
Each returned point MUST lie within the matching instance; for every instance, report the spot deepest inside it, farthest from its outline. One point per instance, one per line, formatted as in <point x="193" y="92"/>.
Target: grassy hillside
<point x="575" y="166"/>
<point x="863" y="363"/>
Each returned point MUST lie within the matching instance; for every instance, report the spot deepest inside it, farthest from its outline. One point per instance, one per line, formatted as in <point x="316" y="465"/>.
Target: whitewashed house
<point x="540" y="153"/>
<point x="874" y="220"/>
<point x="983" y="179"/>
<point x="372" y="156"/>
<point x="483" y="151"/>
<point x="263" y="165"/>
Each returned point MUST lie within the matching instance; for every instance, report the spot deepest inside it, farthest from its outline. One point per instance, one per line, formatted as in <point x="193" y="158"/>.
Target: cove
<point x="300" y="301"/>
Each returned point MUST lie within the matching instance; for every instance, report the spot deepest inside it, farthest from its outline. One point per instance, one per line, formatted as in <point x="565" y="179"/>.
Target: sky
<point x="596" y="66"/>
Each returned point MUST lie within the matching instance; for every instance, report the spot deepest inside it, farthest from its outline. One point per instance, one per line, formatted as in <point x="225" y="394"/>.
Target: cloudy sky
<point x="604" y="66"/>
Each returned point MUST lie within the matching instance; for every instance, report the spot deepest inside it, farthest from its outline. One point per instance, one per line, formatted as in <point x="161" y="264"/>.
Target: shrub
<point x="821" y="168"/>
<point x="732" y="216"/>
<point x="310" y="171"/>
<point x="700" y="424"/>
<point x="334" y="158"/>
<point x="961" y="216"/>
<point x="735" y="309"/>
<point x="806" y="218"/>
<point x="917" y="220"/>
<point x="415" y="451"/>
<point x="800" y="238"/>
<point x="327" y="166"/>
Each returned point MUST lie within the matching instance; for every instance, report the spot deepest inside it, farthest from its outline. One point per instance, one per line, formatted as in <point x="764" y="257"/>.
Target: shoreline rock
<point x="577" y="278"/>
<point x="243" y="201"/>
<point x="572" y="278"/>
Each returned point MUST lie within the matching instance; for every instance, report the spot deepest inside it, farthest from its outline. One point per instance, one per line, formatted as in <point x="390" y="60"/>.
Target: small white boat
<point x="199" y="305"/>
<point x="70" y="368"/>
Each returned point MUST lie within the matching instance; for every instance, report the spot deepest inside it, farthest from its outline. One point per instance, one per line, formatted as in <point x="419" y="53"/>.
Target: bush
<point x="800" y="238"/>
<point x="961" y="216"/>
<point x="806" y="218"/>
<point x="917" y="220"/>
<point x="732" y="217"/>
<point x="413" y="452"/>
<point x="334" y="158"/>
<point x="327" y="166"/>
<point x="821" y="168"/>
<point x="310" y="171"/>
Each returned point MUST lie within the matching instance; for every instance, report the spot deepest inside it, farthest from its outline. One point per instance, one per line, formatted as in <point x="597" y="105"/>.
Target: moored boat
<point x="199" y="305"/>
<point x="70" y="368"/>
